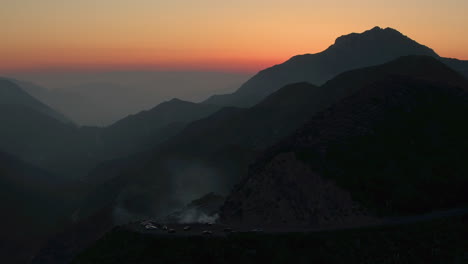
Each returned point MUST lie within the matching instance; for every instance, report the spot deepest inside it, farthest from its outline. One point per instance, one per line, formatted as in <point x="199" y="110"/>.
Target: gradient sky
<point x="245" y="35"/>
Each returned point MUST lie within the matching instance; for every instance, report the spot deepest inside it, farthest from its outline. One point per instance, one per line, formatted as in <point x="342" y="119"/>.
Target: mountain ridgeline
<point x="353" y="51"/>
<point x="41" y="133"/>
<point x="372" y="127"/>
<point x="370" y="143"/>
<point x="215" y="152"/>
<point x="396" y="146"/>
<point x="102" y="98"/>
<point x="41" y="136"/>
<point x="149" y="128"/>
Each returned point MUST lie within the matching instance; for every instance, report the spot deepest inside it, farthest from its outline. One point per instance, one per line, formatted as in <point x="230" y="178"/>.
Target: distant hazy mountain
<point x="372" y="47"/>
<point x="38" y="135"/>
<point x="100" y="99"/>
<point x="396" y="146"/>
<point x="145" y="130"/>
<point x="46" y="142"/>
<point x="30" y="132"/>
<point x="34" y="205"/>
<point x="12" y="94"/>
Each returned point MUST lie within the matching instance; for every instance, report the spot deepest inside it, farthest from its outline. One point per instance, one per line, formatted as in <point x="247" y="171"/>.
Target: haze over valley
<point x="100" y="99"/>
<point x="182" y="149"/>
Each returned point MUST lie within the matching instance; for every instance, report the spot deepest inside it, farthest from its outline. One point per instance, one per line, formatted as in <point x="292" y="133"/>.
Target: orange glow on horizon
<point x="242" y="36"/>
<point x="235" y="65"/>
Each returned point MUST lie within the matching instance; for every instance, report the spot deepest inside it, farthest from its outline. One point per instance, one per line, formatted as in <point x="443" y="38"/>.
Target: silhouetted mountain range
<point x="372" y="47"/>
<point x="13" y="95"/>
<point x="103" y="98"/>
<point x="365" y="118"/>
<point x="214" y="152"/>
<point x="88" y="146"/>
<point x="395" y="146"/>
<point x="147" y="129"/>
<point x="34" y="205"/>
<point x="349" y="134"/>
<point x="38" y="135"/>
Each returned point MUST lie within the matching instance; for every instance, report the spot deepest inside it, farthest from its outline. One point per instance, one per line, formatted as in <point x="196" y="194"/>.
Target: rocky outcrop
<point x="396" y="146"/>
<point x="286" y="192"/>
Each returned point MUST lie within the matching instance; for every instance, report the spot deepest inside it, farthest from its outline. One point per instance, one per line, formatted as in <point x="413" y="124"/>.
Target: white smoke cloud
<point x="191" y="216"/>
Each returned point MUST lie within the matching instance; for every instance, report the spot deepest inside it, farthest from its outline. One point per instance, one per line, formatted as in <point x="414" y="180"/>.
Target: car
<point x="171" y="231"/>
<point x="207" y="232"/>
<point x="150" y="227"/>
<point x="187" y="228"/>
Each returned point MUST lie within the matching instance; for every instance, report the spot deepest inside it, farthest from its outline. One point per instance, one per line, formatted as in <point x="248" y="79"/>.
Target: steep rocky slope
<point x="396" y="146"/>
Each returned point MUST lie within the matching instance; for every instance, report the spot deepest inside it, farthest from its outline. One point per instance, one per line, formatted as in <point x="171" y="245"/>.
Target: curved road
<point x="176" y="230"/>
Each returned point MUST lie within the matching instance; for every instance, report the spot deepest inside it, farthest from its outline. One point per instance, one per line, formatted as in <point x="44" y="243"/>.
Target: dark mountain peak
<point x="174" y="102"/>
<point x="384" y="44"/>
<point x="375" y="31"/>
<point x="146" y="129"/>
<point x="167" y="111"/>
<point x="387" y="30"/>
<point x="353" y="51"/>
<point x="387" y="40"/>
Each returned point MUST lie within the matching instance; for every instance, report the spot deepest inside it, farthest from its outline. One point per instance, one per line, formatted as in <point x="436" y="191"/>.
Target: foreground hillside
<point x="34" y="205"/>
<point x="396" y="146"/>
<point x="407" y="243"/>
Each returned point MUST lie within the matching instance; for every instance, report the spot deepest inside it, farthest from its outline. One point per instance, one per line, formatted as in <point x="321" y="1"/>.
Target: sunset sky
<point x="241" y="35"/>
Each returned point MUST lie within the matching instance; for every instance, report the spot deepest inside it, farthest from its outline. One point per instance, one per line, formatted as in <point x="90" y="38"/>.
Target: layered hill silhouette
<point x="88" y="146"/>
<point x="214" y="152"/>
<point x="12" y="94"/>
<point x="34" y="205"/>
<point x="145" y="130"/>
<point x="102" y="98"/>
<point x="395" y="146"/>
<point x="43" y="137"/>
<point x="210" y="153"/>
<point x="38" y="138"/>
<point x="165" y="157"/>
<point x="37" y="134"/>
<point x="38" y="204"/>
<point x="353" y="51"/>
